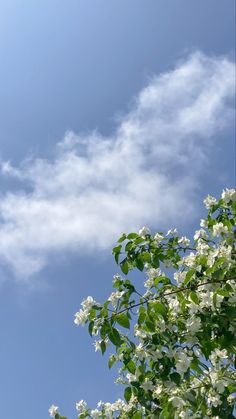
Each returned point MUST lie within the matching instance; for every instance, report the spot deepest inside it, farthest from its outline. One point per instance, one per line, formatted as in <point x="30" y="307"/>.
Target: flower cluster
<point x="175" y="336"/>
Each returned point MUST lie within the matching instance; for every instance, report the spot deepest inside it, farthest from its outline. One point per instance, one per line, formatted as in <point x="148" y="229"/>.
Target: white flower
<point x="144" y="231"/>
<point x="157" y="391"/>
<point x="193" y="324"/>
<point x="190" y="260"/>
<point x="219" y="385"/>
<point x="179" y="277"/>
<point x="209" y="201"/>
<point x="95" y="414"/>
<point x="193" y="308"/>
<point x="97" y="344"/>
<point x="149" y="283"/>
<point x="172" y="232"/>
<point x="219" y="228"/>
<point x="232" y="298"/>
<point x="225" y="251"/>
<point x="81" y="406"/>
<point x="115" y="296"/>
<point x="140" y="352"/>
<point x="131" y="377"/>
<point x="211" y="257"/>
<point x="153" y="273"/>
<point x="186" y="414"/>
<point x="108" y="410"/>
<point x="53" y="410"/>
<point x="231" y="398"/>
<point x="147" y="385"/>
<point x="214" y="400"/>
<point x="158" y="238"/>
<point x="174" y="304"/>
<point x="119" y="404"/>
<point x="184" y="241"/>
<point x="228" y="195"/>
<point x="200" y="234"/>
<point x="217" y="355"/>
<point x="203" y="223"/>
<point x="202" y="247"/>
<point x="183" y="362"/>
<point x="81" y="317"/>
<point x="88" y="303"/>
<point x="140" y="334"/>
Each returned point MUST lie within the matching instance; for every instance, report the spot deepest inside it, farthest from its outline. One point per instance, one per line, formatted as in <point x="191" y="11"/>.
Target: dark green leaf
<point x="124" y="266"/>
<point x="114" y="336"/>
<point x="103" y="347"/>
<point x="175" y="377"/>
<point x="127" y="394"/>
<point x="123" y="320"/>
<point x="150" y="325"/>
<point x="139" y="263"/>
<point x="90" y="328"/>
<point x="131" y="367"/>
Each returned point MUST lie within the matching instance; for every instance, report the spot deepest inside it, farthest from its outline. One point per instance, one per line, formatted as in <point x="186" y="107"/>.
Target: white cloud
<point x="147" y="172"/>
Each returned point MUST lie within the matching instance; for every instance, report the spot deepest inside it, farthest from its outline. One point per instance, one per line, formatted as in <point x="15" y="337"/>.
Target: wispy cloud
<point x="146" y="172"/>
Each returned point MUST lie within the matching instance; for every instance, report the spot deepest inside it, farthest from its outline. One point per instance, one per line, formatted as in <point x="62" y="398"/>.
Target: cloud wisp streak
<point x="146" y="172"/>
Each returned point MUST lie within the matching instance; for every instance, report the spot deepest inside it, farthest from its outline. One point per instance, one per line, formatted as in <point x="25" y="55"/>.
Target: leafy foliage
<point x="175" y="341"/>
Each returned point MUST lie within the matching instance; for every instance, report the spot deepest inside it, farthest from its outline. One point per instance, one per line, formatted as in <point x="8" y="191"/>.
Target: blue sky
<point x="114" y="114"/>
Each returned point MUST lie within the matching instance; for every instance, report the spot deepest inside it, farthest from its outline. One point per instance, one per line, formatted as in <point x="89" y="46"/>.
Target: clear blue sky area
<point x="139" y="94"/>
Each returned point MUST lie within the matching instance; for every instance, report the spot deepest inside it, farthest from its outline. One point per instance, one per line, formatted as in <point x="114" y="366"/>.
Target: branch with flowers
<point x="175" y="335"/>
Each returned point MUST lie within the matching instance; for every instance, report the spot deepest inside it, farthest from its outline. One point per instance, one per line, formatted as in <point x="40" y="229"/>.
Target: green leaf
<point x="111" y="361"/>
<point x="137" y="415"/>
<point x="127" y="394"/>
<point x="123" y="320"/>
<point x="90" y="328"/>
<point x="124" y="266"/>
<point x="142" y="315"/>
<point x="122" y="238"/>
<point x="116" y="252"/>
<point x="139" y="263"/>
<point x="159" y="308"/>
<point x="165" y="414"/>
<point x="114" y="336"/>
<point x="175" y="377"/>
<point x="131" y="367"/>
<point x="146" y="257"/>
<point x="150" y="325"/>
<point x="117" y="249"/>
<point x="189" y="276"/>
<point x="132" y="236"/>
<point x="129" y="246"/>
<point x="194" y="297"/>
<point x="103" y="347"/>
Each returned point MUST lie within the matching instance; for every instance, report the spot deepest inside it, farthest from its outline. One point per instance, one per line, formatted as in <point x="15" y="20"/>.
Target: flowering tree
<point x="175" y="340"/>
